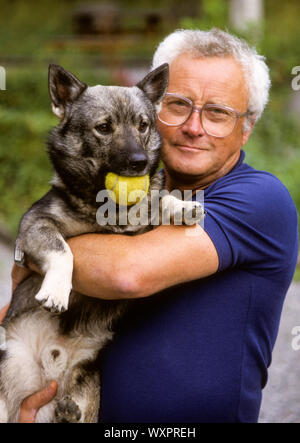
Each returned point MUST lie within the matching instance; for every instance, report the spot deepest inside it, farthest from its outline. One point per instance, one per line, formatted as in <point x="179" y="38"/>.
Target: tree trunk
<point x="245" y="12"/>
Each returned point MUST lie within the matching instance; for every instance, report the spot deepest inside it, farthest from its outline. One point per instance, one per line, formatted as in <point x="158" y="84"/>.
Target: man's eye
<point x="218" y="114"/>
<point x="143" y="126"/>
<point x="104" y="128"/>
<point x="178" y="103"/>
<point x="220" y="111"/>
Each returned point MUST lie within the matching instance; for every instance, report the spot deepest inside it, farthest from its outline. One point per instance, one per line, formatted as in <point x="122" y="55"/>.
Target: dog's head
<point x="104" y="128"/>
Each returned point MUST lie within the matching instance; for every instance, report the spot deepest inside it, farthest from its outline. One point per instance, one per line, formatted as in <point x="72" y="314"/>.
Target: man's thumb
<point x="34" y="402"/>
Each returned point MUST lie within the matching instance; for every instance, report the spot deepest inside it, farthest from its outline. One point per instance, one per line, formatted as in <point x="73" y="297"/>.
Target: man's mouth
<point x="189" y="148"/>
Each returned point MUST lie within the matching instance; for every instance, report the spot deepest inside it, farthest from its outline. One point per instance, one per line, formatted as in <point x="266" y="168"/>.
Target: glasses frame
<point x="199" y="109"/>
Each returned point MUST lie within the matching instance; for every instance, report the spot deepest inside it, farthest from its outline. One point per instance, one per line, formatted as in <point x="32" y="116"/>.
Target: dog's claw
<point x="55" y="298"/>
<point x="53" y="309"/>
<point x="51" y="305"/>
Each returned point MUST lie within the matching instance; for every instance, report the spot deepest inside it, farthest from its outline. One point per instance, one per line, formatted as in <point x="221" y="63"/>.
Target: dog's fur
<point x="101" y="129"/>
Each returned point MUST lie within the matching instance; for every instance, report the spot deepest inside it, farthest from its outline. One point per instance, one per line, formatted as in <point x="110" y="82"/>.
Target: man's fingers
<point x="3" y="312"/>
<point x="34" y="402"/>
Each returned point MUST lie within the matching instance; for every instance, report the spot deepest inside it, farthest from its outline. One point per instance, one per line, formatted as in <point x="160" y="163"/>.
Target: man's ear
<point x="64" y="88"/>
<point x="247" y="132"/>
<point x="155" y="84"/>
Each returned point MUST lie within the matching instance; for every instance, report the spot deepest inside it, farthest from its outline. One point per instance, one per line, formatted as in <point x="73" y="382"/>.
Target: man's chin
<point x="183" y="174"/>
<point x="185" y="165"/>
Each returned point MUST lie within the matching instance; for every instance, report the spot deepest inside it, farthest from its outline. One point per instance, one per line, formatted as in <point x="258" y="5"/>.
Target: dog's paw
<point x="55" y="303"/>
<point x="192" y="212"/>
<point x="67" y="411"/>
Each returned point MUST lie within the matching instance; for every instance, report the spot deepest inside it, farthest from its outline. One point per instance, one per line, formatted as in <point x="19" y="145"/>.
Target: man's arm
<point x="120" y="266"/>
<point x="3" y="312"/>
<point x="17" y="276"/>
<point x="116" y="266"/>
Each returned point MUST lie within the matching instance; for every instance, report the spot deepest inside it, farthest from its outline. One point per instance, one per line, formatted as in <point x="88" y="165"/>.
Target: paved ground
<point x="281" y="397"/>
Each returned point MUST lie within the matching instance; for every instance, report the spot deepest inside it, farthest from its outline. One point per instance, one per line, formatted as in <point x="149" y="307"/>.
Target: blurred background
<point x="112" y="42"/>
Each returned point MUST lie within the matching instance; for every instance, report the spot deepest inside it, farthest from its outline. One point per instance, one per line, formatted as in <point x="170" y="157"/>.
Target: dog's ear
<point x="64" y="88"/>
<point x="155" y="84"/>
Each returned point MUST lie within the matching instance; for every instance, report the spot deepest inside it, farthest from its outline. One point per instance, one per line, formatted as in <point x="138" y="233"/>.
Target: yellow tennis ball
<point x="127" y="191"/>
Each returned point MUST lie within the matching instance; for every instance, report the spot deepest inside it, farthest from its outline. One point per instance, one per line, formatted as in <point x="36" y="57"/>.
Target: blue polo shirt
<point x="199" y="352"/>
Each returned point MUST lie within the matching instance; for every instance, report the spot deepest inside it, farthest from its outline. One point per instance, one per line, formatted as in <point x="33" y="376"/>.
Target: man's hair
<point x="217" y="43"/>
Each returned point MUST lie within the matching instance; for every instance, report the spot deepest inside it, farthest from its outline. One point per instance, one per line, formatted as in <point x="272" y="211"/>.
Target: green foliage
<point x="214" y="15"/>
<point x="272" y="147"/>
<point x="25" y="120"/>
<point x="25" y="26"/>
<point x="27" y="32"/>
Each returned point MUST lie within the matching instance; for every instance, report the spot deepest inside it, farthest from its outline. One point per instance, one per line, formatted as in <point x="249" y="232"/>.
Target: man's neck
<point x="181" y="182"/>
<point x="177" y="180"/>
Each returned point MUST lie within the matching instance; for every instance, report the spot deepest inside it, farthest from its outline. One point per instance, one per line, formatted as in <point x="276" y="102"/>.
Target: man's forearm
<point x="120" y="266"/>
<point x="3" y="312"/>
<point x="99" y="260"/>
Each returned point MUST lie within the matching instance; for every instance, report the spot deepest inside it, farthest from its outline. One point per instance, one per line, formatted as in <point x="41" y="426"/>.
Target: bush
<point x="25" y="120"/>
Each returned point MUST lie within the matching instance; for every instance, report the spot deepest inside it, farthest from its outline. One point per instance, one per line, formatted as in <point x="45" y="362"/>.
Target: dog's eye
<point x="104" y="128"/>
<point x="143" y="126"/>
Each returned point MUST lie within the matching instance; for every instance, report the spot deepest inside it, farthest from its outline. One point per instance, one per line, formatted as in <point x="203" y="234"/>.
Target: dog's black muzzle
<point x="129" y="160"/>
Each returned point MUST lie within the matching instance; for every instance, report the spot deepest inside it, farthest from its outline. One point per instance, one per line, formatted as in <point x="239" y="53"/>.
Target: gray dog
<point x="101" y="130"/>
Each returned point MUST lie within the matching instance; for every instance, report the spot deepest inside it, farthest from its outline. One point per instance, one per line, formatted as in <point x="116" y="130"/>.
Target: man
<point x="197" y="342"/>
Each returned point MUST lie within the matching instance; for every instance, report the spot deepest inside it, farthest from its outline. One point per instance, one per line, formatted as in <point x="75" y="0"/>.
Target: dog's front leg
<point x="44" y="245"/>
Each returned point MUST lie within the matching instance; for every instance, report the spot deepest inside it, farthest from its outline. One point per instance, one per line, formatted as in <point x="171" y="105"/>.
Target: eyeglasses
<point x="216" y="120"/>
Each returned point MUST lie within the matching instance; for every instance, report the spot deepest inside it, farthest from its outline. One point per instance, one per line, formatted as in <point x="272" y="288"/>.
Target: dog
<point x="53" y="332"/>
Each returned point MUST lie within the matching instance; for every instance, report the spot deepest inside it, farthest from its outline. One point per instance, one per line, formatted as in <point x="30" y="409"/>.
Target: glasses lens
<point x="218" y="121"/>
<point x="175" y="110"/>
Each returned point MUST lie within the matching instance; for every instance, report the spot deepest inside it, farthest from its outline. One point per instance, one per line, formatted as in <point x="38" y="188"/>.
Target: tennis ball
<point x="127" y="191"/>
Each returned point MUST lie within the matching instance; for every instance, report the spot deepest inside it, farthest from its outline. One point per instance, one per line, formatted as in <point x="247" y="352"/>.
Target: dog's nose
<point x="138" y="161"/>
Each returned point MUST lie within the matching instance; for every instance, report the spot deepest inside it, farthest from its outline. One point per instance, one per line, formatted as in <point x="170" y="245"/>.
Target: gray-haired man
<point x="198" y="350"/>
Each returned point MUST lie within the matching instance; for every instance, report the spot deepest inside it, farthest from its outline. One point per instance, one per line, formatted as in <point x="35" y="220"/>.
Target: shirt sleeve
<point x="252" y="222"/>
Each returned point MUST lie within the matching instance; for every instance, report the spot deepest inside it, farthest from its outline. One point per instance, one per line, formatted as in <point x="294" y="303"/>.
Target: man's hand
<point x="3" y="312"/>
<point x="18" y="275"/>
<point x="31" y="405"/>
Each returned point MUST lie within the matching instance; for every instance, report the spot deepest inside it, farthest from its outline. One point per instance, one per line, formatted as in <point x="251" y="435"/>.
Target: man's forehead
<point x="209" y="63"/>
<point x="222" y="77"/>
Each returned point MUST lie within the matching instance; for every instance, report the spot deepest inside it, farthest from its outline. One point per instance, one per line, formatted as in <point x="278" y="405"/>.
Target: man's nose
<point x="193" y="125"/>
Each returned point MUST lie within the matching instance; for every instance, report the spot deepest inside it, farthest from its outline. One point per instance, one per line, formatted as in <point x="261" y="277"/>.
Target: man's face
<point x="189" y="154"/>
